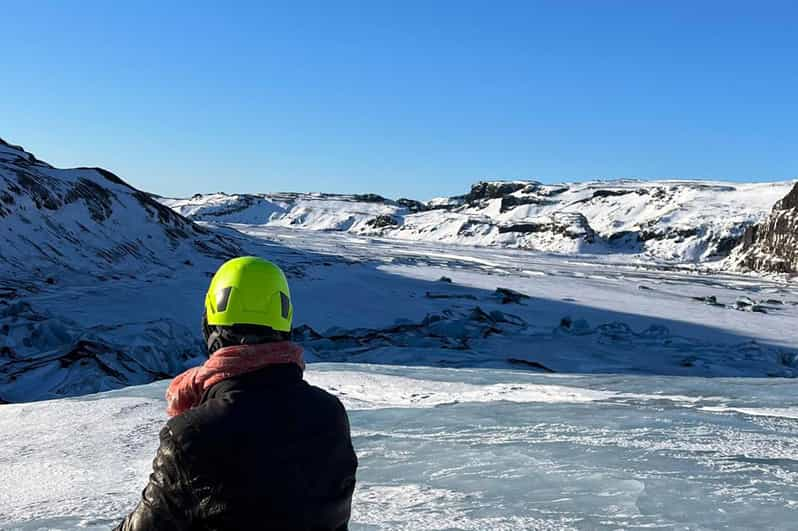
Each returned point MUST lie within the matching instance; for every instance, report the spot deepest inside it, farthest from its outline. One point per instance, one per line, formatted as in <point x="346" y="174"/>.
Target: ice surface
<point x="460" y="449"/>
<point x="378" y="300"/>
<point x="621" y="435"/>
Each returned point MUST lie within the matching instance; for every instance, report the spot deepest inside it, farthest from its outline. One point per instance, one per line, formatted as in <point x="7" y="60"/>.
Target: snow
<point x="460" y="449"/>
<point x="378" y="300"/>
<point x="673" y="221"/>
<point x="622" y="435"/>
<point x="650" y="388"/>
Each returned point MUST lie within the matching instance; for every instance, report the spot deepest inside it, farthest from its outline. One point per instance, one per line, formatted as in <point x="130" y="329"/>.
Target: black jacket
<point x="264" y="450"/>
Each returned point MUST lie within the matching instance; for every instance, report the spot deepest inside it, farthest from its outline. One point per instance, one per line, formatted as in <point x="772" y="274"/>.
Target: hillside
<point x="68" y="238"/>
<point x="673" y="221"/>
<point x="772" y="246"/>
<point x="86" y="220"/>
<point x="101" y="285"/>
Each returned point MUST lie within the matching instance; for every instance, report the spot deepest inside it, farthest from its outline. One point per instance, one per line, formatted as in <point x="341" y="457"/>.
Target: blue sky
<point x="402" y="98"/>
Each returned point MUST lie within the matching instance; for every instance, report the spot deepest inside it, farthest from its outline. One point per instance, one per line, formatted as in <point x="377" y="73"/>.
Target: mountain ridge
<point x="672" y="220"/>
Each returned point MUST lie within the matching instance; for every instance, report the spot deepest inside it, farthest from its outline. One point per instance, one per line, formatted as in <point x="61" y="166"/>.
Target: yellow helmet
<point x="249" y="291"/>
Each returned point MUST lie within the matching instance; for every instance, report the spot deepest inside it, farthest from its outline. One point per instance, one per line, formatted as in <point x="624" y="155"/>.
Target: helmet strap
<point x="214" y="341"/>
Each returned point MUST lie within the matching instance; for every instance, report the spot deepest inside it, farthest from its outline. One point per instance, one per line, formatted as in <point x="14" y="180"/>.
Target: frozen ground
<point x="365" y="299"/>
<point x="460" y="449"/>
<point x="607" y="420"/>
<point x="623" y="434"/>
<point x="591" y="313"/>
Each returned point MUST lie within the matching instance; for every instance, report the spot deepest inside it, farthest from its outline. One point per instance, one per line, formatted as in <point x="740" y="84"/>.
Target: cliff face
<point x="772" y="246"/>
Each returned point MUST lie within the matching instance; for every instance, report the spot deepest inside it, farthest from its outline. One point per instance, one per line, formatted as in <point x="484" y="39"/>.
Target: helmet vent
<point x="285" y="305"/>
<point x="222" y="298"/>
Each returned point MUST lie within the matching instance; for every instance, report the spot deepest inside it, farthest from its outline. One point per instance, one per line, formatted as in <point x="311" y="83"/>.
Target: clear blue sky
<point x="402" y="98"/>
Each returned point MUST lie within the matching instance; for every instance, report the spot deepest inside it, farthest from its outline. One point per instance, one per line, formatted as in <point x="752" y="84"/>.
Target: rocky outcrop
<point x="382" y="221"/>
<point x="52" y="219"/>
<point x="493" y="190"/>
<point x="568" y="224"/>
<point x="411" y="205"/>
<point x="66" y="234"/>
<point x="772" y="246"/>
<point x="676" y="221"/>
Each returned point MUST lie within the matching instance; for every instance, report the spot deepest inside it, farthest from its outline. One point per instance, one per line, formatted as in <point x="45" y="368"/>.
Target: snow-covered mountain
<point x="101" y="285"/>
<point x="675" y="221"/>
<point x="75" y="234"/>
<point x="772" y="246"/>
<point x="87" y="220"/>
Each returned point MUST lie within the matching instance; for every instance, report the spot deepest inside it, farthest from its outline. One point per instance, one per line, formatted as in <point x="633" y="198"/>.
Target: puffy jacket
<point x="263" y="450"/>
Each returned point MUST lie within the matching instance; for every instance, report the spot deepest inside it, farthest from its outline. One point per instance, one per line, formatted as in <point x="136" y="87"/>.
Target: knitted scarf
<point x="186" y="389"/>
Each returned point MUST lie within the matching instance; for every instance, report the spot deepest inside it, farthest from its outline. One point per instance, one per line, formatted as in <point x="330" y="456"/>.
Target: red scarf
<point x="186" y="389"/>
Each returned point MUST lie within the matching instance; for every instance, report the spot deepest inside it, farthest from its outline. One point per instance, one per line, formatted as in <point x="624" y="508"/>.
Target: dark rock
<point x="304" y="333"/>
<point x="712" y="300"/>
<point x="383" y="221"/>
<point x="370" y="198"/>
<point x="744" y="302"/>
<point x="624" y="235"/>
<point x="570" y="224"/>
<point x="445" y="279"/>
<point x="509" y="202"/>
<point x="574" y="327"/>
<point x="492" y="190"/>
<point x="726" y="245"/>
<point x="98" y="199"/>
<point x="431" y="295"/>
<point x="449" y="329"/>
<point x="772" y="246"/>
<point x="509" y="296"/>
<point x="412" y="205"/>
<point x="529" y="363"/>
<point x="598" y="194"/>
<point x="668" y="233"/>
<point x="473" y="226"/>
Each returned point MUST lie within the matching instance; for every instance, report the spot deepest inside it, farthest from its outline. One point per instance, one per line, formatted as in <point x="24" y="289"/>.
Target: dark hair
<point x="217" y="336"/>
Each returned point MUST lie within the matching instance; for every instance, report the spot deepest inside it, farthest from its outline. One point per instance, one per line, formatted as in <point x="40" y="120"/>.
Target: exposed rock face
<point x="772" y="246"/>
<point x="411" y="205"/>
<point x="493" y="190"/>
<point x="568" y="224"/>
<point x="56" y="218"/>
<point x="380" y="222"/>
<point x="67" y="235"/>
<point x="677" y="221"/>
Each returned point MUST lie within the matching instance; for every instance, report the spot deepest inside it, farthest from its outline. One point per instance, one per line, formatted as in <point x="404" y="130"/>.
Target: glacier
<point x="608" y="420"/>
<point x="524" y="356"/>
<point x="460" y="449"/>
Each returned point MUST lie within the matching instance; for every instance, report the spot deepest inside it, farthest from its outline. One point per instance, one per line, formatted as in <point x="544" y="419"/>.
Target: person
<point x="250" y="444"/>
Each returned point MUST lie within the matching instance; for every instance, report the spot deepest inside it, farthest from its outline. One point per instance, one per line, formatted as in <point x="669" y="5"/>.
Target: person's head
<point x="248" y="302"/>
